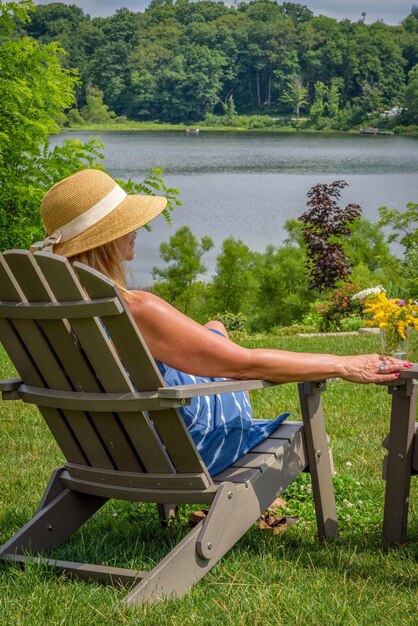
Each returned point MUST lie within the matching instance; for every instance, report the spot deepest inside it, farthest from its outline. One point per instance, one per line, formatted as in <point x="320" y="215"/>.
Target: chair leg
<point x="231" y="514"/>
<point x="54" y="523"/>
<point x="399" y="463"/>
<point x="318" y="459"/>
<point x="53" y="488"/>
<point x="165" y="511"/>
<point x="183" y="567"/>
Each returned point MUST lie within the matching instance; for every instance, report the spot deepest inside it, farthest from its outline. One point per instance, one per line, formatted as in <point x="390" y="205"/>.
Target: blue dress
<point x="221" y="426"/>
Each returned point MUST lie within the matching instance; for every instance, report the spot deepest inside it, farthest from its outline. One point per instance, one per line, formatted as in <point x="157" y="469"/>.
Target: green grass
<point x="132" y="125"/>
<point x="159" y="126"/>
<point x="264" y="579"/>
<point x="154" y="126"/>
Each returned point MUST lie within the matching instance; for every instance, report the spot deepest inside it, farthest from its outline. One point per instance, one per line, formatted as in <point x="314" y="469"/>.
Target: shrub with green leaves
<point x="340" y="311"/>
<point x="232" y="321"/>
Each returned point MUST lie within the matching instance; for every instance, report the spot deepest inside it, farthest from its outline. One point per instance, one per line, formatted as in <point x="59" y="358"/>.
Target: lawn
<point x="283" y="579"/>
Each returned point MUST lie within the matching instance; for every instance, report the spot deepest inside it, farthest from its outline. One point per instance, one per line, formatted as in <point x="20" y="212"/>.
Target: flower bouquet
<point x="396" y="318"/>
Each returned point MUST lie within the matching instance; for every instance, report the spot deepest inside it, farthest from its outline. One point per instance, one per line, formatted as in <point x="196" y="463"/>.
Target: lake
<point x="248" y="184"/>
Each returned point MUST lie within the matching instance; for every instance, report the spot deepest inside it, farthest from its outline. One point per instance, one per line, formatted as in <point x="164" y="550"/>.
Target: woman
<point x="89" y="218"/>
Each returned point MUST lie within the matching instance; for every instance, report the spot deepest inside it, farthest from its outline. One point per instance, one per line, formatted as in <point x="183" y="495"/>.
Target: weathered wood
<point x="399" y="462"/>
<point x="138" y="480"/>
<point x="54" y="523"/>
<point x="83" y="571"/>
<point x="145" y="375"/>
<point x="318" y="458"/>
<point x="415" y="451"/>
<point x="148" y="452"/>
<point x="207" y="389"/>
<point x="61" y="310"/>
<point x="93" y="402"/>
<point x="184" y="566"/>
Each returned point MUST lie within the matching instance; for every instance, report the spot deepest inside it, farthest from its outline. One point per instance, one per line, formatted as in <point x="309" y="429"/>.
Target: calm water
<point x="247" y="185"/>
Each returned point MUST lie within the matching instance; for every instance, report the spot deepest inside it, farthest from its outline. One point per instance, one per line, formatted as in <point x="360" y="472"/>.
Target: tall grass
<point x="264" y="579"/>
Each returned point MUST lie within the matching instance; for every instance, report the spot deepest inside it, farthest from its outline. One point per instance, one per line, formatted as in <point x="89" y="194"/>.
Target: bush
<point x="292" y="330"/>
<point x="338" y="312"/>
<point x="260" y="121"/>
<point x="352" y="322"/>
<point x="242" y="121"/>
<point x="232" y="321"/>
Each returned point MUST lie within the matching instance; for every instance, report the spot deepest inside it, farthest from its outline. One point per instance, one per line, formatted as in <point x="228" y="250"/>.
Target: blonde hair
<point x="105" y="259"/>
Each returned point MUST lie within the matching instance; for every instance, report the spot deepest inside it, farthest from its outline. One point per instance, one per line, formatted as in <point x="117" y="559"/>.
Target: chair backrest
<point x="69" y="332"/>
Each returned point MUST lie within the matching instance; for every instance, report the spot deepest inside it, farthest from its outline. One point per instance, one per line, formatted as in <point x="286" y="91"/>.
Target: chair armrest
<point x="9" y="388"/>
<point x="10" y="384"/>
<point x="180" y="392"/>
<point x="405" y="375"/>
<point x="410" y="372"/>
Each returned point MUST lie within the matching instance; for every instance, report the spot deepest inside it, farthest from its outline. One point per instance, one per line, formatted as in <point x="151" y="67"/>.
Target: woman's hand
<point x="371" y="368"/>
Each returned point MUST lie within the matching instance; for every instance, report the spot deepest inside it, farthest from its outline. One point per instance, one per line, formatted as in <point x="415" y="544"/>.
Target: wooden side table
<point x="401" y="462"/>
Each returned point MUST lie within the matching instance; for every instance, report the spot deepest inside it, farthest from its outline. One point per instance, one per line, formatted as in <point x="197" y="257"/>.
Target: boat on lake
<point x="192" y="131"/>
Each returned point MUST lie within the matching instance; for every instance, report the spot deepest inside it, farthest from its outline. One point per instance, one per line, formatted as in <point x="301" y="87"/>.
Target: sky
<point x="390" y="11"/>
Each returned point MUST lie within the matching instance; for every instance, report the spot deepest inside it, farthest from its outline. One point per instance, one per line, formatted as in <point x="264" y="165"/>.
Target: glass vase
<point x="393" y="344"/>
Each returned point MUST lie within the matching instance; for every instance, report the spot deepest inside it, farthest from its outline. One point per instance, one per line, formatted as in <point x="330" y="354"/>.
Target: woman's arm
<point x="185" y="345"/>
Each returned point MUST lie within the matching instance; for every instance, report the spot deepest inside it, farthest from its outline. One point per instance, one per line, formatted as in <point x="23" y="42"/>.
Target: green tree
<point x="35" y="89"/>
<point x="233" y="282"/>
<point x="317" y="110"/>
<point x="109" y="71"/>
<point x="324" y="223"/>
<point x="295" y="95"/>
<point x="190" y="85"/>
<point x="333" y="101"/>
<point x="76" y="33"/>
<point x="404" y="225"/>
<point x="283" y="293"/>
<point x="183" y="254"/>
<point x="95" y="111"/>
<point x="367" y="245"/>
<point x="299" y="13"/>
<point x="411" y="97"/>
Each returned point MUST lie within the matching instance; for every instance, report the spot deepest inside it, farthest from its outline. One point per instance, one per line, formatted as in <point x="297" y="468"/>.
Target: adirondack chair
<point x="401" y="461"/>
<point x="83" y="362"/>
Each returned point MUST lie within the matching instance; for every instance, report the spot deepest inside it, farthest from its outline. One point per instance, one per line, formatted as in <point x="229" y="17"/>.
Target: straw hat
<point x="89" y="209"/>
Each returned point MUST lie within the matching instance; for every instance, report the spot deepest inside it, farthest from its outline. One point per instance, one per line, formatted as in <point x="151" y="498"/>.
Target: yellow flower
<point x="395" y="315"/>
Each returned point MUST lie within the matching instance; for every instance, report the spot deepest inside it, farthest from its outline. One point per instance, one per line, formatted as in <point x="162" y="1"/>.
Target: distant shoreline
<point x="162" y="127"/>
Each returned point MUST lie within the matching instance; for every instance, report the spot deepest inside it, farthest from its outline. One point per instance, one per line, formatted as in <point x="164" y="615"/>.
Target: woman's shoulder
<point x="142" y="302"/>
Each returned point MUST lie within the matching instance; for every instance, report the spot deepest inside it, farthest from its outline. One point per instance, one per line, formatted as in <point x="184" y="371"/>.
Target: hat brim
<point x="132" y="213"/>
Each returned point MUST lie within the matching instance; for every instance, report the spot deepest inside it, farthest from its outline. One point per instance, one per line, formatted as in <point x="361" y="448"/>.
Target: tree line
<point x="183" y="61"/>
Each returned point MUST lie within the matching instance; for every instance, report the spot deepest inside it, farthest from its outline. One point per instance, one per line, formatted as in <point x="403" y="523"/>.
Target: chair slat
<point x="143" y="372"/>
<point x="138" y="481"/>
<point x="21" y="359"/>
<point x="252" y="459"/>
<point x="125" y="335"/>
<point x="134" y="446"/>
<point x="238" y="475"/>
<point x="65" y="356"/>
<point x="90" y="332"/>
<point x="28" y="369"/>
<point x="61" y="310"/>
